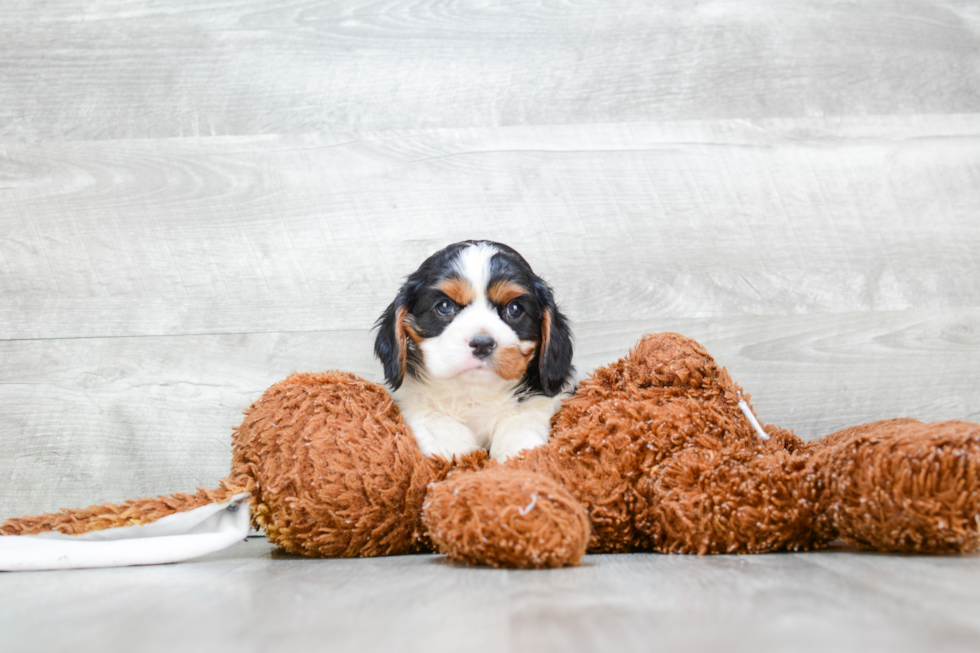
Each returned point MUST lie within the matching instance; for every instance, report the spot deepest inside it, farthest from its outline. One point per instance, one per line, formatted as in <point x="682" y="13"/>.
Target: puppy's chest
<point x="478" y="409"/>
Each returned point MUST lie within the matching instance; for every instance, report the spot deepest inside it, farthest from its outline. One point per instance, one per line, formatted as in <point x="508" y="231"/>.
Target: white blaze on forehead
<point x="473" y="264"/>
<point x="480" y="316"/>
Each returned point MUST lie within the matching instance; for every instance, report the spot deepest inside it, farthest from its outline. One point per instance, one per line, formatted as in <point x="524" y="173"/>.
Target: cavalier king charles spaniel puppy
<point x="476" y="352"/>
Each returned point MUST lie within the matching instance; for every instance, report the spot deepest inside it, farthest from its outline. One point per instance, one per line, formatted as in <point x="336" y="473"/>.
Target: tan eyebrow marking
<point x="502" y="293"/>
<point x="458" y="290"/>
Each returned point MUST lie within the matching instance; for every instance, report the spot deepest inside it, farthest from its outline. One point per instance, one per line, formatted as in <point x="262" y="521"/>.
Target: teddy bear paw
<point x="506" y="518"/>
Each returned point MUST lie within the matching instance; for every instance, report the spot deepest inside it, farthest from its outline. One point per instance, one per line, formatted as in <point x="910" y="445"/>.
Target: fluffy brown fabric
<point x="668" y="394"/>
<point x="903" y="486"/>
<point x="652" y="453"/>
<point x="134" y="512"/>
<point x="726" y="501"/>
<point x="336" y="469"/>
<point x="506" y="518"/>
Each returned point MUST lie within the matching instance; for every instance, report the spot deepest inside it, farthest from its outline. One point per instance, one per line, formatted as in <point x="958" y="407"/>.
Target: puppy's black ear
<point x="391" y="343"/>
<point x="555" y="358"/>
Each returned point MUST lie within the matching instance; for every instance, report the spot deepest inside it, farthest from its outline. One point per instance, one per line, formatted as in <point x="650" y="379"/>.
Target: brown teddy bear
<point x="652" y="453"/>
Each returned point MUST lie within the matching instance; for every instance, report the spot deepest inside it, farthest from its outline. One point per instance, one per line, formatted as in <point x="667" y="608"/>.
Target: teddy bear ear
<point x="391" y="343"/>
<point x="555" y="359"/>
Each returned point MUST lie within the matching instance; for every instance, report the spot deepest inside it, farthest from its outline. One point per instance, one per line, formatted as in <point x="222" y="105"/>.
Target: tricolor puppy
<point x="475" y="352"/>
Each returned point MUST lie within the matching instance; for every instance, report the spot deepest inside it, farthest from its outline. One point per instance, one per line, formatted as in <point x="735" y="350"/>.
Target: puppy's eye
<point x="445" y="308"/>
<point x="514" y="310"/>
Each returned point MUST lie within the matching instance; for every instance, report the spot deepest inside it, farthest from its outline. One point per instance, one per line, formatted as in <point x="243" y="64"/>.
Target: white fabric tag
<point x="173" y="538"/>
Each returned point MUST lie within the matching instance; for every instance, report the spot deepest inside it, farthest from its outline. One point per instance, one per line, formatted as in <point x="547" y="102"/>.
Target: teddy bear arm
<point x="504" y="517"/>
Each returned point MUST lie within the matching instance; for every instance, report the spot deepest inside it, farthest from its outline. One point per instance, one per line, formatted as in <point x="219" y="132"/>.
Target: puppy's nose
<point x="482" y="345"/>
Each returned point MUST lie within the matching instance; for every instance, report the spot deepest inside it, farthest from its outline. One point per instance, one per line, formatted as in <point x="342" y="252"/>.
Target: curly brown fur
<point x="625" y="419"/>
<point x="743" y="500"/>
<point x="504" y="518"/>
<point x="134" y="512"/>
<point x="900" y="485"/>
<point x="651" y="453"/>
<point x="337" y="470"/>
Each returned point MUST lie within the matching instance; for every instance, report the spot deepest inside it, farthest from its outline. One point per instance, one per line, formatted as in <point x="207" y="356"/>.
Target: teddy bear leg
<point x="728" y="500"/>
<point x="505" y="518"/>
<point x="901" y="486"/>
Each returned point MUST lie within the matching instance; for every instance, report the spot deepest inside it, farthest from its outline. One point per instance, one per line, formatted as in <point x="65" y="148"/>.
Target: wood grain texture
<point x="197" y="200"/>
<point x="626" y="221"/>
<point x="87" y="421"/>
<point x="630" y="602"/>
<point x="114" y="70"/>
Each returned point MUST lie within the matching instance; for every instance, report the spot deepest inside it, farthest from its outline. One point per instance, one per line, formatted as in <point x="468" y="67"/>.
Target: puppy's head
<point x="475" y="311"/>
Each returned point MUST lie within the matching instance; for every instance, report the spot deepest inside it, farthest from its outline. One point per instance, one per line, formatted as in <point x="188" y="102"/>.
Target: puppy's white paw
<point x="442" y="436"/>
<point x="510" y="443"/>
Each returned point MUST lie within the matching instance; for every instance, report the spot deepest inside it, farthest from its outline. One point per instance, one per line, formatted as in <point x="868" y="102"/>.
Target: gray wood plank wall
<point x="198" y="199"/>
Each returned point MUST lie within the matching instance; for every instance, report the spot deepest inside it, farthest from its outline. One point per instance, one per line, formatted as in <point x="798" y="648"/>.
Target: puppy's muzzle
<point x="482" y="345"/>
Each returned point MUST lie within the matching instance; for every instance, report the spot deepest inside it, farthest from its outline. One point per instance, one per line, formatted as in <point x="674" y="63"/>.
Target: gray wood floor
<point x="252" y="598"/>
<point x="197" y="199"/>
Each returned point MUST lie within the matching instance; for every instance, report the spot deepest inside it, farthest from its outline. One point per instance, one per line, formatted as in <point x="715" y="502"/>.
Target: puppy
<point x="476" y="352"/>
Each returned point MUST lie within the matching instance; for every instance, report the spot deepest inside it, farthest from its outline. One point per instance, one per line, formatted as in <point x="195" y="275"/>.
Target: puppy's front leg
<point x="517" y="433"/>
<point x="441" y="435"/>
